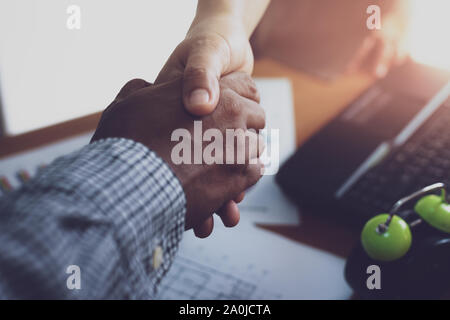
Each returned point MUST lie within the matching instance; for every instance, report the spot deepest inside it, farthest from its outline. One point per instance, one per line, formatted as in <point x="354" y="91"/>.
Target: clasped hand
<point x="149" y="114"/>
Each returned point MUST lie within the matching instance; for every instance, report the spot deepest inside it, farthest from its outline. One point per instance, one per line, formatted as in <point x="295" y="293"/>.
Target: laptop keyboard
<point x="424" y="159"/>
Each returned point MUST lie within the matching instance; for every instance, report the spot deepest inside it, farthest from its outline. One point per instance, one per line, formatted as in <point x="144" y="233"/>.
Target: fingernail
<point x="199" y="97"/>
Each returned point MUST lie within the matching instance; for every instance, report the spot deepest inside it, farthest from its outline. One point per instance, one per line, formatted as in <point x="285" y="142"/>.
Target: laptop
<point x="392" y="140"/>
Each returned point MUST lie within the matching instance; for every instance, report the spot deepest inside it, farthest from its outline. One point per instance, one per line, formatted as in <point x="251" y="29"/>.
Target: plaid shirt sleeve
<point x="109" y="209"/>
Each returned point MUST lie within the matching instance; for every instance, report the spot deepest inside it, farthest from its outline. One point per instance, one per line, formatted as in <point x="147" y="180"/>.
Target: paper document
<point x="247" y="262"/>
<point x="265" y="203"/>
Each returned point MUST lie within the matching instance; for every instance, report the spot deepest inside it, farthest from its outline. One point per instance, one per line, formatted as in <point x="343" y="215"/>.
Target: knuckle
<point x="243" y="84"/>
<point x="232" y="107"/>
<point x="136" y="83"/>
<point x="253" y="92"/>
<point x="225" y="83"/>
<point x="132" y="81"/>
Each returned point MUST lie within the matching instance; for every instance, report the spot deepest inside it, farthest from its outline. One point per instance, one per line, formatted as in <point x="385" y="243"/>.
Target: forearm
<point x="106" y="209"/>
<point x="247" y="12"/>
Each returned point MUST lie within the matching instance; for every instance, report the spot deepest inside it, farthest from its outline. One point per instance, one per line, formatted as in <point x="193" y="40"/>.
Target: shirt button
<point x="157" y="257"/>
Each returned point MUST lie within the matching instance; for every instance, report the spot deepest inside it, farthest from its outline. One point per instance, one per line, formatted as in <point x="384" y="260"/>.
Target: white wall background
<point x="49" y="73"/>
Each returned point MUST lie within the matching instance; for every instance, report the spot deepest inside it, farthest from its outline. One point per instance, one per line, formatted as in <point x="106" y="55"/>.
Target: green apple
<point x="435" y="211"/>
<point x="390" y="245"/>
<point x="441" y="219"/>
<point x="426" y="206"/>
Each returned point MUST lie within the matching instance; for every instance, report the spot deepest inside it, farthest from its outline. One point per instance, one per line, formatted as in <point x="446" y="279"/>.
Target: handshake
<point x="205" y="83"/>
<point x="214" y="174"/>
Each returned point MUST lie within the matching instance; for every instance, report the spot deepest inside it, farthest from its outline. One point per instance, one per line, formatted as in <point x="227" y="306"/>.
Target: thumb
<point x="204" y="66"/>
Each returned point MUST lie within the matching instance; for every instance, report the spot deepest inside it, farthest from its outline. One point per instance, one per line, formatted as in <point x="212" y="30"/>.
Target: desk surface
<point x="316" y="102"/>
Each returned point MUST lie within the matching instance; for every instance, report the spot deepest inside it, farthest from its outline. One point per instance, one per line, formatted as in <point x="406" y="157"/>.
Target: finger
<point x="249" y="111"/>
<point x="247" y="178"/>
<point x="244" y="146"/>
<point x="252" y="173"/>
<point x="204" y="65"/>
<point x="383" y="58"/>
<point x="360" y="57"/>
<point x="255" y="114"/>
<point x="242" y="84"/>
<point x="373" y="64"/>
<point x="229" y="214"/>
<point x="254" y="145"/>
<point x="132" y="86"/>
<point x="239" y="197"/>
<point x="205" y="229"/>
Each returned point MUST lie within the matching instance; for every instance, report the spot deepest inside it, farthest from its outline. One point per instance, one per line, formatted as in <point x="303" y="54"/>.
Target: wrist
<point x="225" y="37"/>
<point x="227" y="25"/>
<point x="218" y="8"/>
